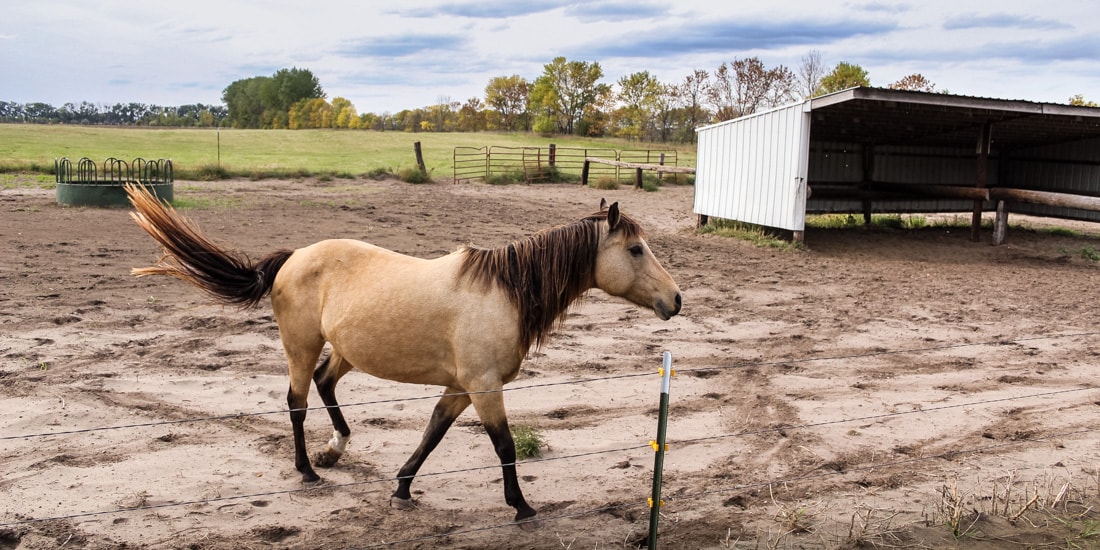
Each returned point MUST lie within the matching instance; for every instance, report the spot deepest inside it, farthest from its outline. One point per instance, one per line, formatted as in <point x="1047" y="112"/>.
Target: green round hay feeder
<point x="105" y="186"/>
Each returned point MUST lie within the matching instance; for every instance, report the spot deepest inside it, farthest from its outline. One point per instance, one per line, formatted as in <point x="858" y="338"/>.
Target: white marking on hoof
<point x="338" y="443"/>
<point x="402" y="503"/>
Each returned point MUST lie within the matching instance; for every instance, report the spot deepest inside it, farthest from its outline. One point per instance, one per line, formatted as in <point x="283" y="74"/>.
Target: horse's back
<point x="384" y="310"/>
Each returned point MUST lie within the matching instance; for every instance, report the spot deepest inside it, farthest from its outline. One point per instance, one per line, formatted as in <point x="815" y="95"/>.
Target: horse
<point x="463" y="321"/>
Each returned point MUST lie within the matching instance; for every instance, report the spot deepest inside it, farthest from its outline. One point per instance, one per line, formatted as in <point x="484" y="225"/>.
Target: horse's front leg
<point x="325" y="377"/>
<point x="446" y="411"/>
<point x="490" y="408"/>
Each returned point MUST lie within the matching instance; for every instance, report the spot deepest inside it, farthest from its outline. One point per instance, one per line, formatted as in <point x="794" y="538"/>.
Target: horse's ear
<point x="603" y="204"/>
<point x="613" y="217"/>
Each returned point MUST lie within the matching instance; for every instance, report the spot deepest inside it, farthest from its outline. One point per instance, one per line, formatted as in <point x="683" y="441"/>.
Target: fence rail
<point x="535" y="164"/>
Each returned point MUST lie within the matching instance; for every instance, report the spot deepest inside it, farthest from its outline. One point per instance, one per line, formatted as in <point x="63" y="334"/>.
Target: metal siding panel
<point x="748" y="169"/>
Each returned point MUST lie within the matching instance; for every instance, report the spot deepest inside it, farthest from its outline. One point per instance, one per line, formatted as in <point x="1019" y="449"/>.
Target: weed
<point x="529" y="441"/>
<point x="1086" y="252"/>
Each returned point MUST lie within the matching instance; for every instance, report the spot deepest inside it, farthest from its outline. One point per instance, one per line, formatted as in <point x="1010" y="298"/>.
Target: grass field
<point x="33" y="148"/>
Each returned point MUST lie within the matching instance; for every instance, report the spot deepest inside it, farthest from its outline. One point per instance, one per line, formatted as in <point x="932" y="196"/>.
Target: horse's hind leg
<point x="446" y="411"/>
<point x="326" y="376"/>
<point x="301" y="362"/>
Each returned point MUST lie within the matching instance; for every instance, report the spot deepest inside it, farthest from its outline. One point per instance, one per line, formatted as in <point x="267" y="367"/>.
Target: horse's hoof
<point x="310" y="477"/>
<point x="405" y="504"/>
<point x="531" y="523"/>
<point x="326" y="459"/>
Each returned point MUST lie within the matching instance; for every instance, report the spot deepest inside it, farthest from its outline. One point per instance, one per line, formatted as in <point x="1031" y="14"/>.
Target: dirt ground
<point x="879" y="388"/>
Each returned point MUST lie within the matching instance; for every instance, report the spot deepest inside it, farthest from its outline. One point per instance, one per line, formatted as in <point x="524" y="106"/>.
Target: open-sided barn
<point x="866" y="150"/>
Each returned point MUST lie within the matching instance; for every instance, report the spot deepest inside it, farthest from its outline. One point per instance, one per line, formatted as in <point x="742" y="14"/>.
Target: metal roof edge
<point x="951" y="100"/>
<point x="803" y="102"/>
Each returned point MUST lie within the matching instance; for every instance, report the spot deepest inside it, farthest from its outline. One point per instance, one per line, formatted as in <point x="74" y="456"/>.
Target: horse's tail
<point x="229" y="277"/>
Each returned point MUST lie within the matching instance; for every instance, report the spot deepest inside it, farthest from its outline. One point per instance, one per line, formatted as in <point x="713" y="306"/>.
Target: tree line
<point x="122" y="114"/>
<point x="569" y="97"/>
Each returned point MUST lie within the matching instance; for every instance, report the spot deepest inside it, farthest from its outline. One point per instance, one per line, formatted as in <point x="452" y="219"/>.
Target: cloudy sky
<point x="389" y="56"/>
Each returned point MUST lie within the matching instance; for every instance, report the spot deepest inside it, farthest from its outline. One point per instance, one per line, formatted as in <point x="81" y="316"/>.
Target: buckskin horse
<point x="464" y="321"/>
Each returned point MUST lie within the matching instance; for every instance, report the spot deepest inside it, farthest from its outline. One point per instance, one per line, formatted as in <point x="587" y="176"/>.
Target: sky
<point x="389" y="56"/>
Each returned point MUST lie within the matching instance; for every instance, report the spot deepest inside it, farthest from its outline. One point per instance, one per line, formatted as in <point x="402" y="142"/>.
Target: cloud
<point x="734" y="36"/>
<point x="401" y="46"/>
<point x="485" y="9"/>
<point x="592" y="12"/>
<point x="878" y="7"/>
<point x="1003" y="21"/>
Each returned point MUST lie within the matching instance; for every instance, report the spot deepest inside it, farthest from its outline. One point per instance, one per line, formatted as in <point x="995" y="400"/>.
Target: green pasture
<point x="33" y="148"/>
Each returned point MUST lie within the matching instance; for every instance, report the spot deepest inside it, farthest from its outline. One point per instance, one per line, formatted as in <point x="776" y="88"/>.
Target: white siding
<point x="753" y="169"/>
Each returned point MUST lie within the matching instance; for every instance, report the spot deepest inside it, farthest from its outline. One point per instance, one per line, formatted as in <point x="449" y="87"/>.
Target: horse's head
<point x="627" y="268"/>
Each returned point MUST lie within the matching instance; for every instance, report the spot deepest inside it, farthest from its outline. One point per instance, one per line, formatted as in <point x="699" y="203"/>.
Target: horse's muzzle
<point x="666" y="312"/>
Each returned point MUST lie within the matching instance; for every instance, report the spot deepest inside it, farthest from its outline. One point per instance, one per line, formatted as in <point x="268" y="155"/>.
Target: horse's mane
<point x="544" y="273"/>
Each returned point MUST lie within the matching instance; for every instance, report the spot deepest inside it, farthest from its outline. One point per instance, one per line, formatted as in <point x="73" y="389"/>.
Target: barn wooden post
<point x="868" y="178"/>
<point x="985" y="139"/>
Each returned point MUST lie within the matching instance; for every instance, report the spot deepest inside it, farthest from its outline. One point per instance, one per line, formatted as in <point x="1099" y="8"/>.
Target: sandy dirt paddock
<point x="881" y="387"/>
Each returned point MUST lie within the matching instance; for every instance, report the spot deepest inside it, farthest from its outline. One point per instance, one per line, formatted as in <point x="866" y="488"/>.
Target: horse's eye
<point x="636" y="250"/>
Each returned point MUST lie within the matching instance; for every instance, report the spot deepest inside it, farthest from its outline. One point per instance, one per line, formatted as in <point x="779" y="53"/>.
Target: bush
<point x="379" y="174"/>
<point x="605" y="183"/>
<point x="212" y="172"/>
<point x="413" y="175"/>
<point x="507" y="178"/>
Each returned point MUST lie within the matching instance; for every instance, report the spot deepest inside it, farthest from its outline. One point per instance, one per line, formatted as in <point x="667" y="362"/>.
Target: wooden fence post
<point x="419" y="157"/>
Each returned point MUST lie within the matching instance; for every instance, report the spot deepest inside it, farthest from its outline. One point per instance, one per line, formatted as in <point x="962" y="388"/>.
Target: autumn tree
<point x="471" y="116"/>
<point x="1080" y="101"/>
<point x="845" y="75"/>
<point x="344" y="114"/>
<point x="690" y="96"/>
<point x="509" y="96"/>
<point x="914" y="82"/>
<point x="745" y="86"/>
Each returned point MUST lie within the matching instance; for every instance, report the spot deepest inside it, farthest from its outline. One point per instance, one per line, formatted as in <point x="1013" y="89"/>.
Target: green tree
<point x="242" y="99"/>
<point x="638" y="94"/>
<point x="845" y="75"/>
<point x="289" y="86"/>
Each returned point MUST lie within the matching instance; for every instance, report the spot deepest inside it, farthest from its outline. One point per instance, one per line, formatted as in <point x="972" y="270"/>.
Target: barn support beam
<point x="985" y="142"/>
<point x="868" y="179"/>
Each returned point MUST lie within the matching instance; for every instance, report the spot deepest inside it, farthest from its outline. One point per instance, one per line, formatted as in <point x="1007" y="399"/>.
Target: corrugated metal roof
<point x="900" y="117"/>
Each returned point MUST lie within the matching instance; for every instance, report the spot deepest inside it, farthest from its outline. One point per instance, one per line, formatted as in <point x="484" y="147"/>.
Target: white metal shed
<point x="870" y="149"/>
